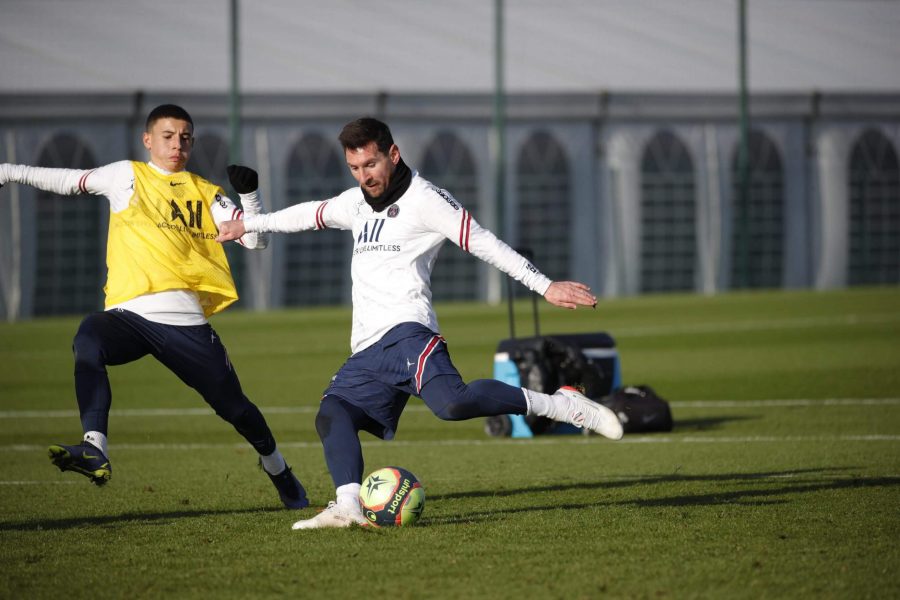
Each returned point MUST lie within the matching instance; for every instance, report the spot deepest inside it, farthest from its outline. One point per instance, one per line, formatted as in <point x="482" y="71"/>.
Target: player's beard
<point x="396" y="187"/>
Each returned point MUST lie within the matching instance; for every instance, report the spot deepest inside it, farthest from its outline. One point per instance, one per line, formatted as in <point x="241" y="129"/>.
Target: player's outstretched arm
<point x="66" y="182"/>
<point x="570" y="294"/>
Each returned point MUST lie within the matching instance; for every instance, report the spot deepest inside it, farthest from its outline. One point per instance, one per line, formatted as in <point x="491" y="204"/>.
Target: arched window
<point x="761" y="227"/>
<point x="449" y="165"/>
<point x="874" y="211"/>
<point x="668" y="216"/>
<point x="316" y="263"/>
<point x="543" y="181"/>
<point x="71" y="242"/>
<point x="209" y="159"/>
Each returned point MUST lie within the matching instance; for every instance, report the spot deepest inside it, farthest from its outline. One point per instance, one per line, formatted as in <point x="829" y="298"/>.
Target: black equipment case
<point x="546" y="363"/>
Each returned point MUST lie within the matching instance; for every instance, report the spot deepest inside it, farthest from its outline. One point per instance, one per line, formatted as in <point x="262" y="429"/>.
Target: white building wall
<point x="604" y="141"/>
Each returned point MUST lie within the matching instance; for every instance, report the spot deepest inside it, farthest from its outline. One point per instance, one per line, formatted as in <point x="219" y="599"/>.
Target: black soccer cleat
<point x="289" y="489"/>
<point x="84" y="458"/>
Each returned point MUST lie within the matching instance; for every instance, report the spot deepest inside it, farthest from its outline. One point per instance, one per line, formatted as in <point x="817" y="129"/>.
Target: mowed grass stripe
<point x="288" y="410"/>
<point x="550" y="440"/>
<point x="619" y="333"/>
<point x="756" y="325"/>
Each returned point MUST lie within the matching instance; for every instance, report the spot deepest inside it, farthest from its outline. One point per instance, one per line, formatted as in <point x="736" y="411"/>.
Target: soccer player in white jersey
<point x="399" y="221"/>
<point x="166" y="276"/>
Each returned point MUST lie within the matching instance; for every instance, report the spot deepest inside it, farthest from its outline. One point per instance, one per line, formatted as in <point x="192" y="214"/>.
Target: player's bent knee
<point x="336" y="417"/>
<point x="323" y="424"/>
<point x="330" y="411"/>
<point x="87" y="346"/>
<point x="449" y="398"/>
<point x="454" y="411"/>
<point x="237" y="414"/>
<point x="461" y="405"/>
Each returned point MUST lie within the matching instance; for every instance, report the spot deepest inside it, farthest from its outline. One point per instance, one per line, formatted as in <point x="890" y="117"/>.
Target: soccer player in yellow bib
<point x="166" y="276"/>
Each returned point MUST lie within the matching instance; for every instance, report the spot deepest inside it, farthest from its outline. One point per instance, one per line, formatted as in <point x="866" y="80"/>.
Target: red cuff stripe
<point x="464" y="228"/>
<point x="423" y="358"/>
<point x="81" y="182"/>
<point x="468" y="228"/>
<point x="320" y="221"/>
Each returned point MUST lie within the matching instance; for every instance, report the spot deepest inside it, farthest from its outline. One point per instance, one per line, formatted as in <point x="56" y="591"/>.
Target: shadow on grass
<point x="623" y="482"/>
<point x="808" y="481"/>
<point x="138" y="517"/>
<point x="707" y="423"/>
<point x="813" y="480"/>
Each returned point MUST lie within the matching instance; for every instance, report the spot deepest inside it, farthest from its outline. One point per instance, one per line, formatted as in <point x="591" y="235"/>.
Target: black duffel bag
<point x="639" y="409"/>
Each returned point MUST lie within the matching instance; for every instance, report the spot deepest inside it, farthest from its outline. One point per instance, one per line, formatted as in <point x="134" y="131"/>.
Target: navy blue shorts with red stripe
<point x="381" y="378"/>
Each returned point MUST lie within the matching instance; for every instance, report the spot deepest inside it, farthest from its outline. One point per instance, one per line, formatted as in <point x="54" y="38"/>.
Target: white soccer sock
<point x="541" y="405"/>
<point x="348" y="496"/>
<point x="98" y="440"/>
<point x="273" y="463"/>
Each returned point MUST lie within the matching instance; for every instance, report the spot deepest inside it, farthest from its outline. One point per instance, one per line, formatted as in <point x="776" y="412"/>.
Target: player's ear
<point x="394" y="154"/>
<point x="146" y="138"/>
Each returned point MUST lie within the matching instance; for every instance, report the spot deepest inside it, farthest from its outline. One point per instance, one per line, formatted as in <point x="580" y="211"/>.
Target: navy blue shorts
<point x="381" y="378"/>
<point x="194" y="353"/>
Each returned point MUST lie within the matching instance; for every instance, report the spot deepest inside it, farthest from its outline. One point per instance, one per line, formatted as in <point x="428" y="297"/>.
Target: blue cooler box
<point x="546" y="363"/>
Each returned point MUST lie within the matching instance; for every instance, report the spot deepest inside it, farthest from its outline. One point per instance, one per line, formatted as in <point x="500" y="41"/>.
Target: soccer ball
<point x="392" y="497"/>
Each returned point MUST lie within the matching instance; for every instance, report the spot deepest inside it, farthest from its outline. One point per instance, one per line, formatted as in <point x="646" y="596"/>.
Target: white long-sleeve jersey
<point x="394" y="251"/>
<point x="115" y="181"/>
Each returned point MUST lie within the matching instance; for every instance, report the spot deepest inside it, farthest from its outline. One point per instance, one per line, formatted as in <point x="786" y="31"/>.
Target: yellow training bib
<point x="165" y="240"/>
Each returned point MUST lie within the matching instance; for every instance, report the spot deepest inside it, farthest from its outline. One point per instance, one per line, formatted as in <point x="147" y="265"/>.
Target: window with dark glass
<point x="544" y="192"/>
<point x="71" y="240"/>
<point x="316" y="262"/>
<point x="449" y="165"/>
<point x="668" y="216"/>
<point x="758" y="229"/>
<point x="874" y="240"/>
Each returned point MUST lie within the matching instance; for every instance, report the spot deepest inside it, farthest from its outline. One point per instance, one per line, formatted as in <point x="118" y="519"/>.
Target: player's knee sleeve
<point x="87" y="348"/>
<point x="223" y="393"/>
<point x="450" y="399"/>
<point x="237" y="413"/>
<point x="323" y="422"/>
<point x="247" y="420"/>
<point x="331" y="416"/>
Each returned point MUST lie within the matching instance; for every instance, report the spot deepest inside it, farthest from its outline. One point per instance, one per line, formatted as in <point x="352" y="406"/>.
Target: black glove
<point x="243" y="179"/>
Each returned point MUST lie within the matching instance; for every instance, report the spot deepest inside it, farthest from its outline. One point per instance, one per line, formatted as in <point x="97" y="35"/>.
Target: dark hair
<point x="360" y="132"/>
<point x="167" y="111"/>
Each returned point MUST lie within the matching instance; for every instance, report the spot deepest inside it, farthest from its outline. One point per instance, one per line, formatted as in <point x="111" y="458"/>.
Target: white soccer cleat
<point x="581" y="411"/>
<point x="333" y="516"/>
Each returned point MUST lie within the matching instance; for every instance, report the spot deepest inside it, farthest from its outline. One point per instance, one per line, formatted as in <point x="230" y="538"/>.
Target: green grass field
<point x="780" y="480"/>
